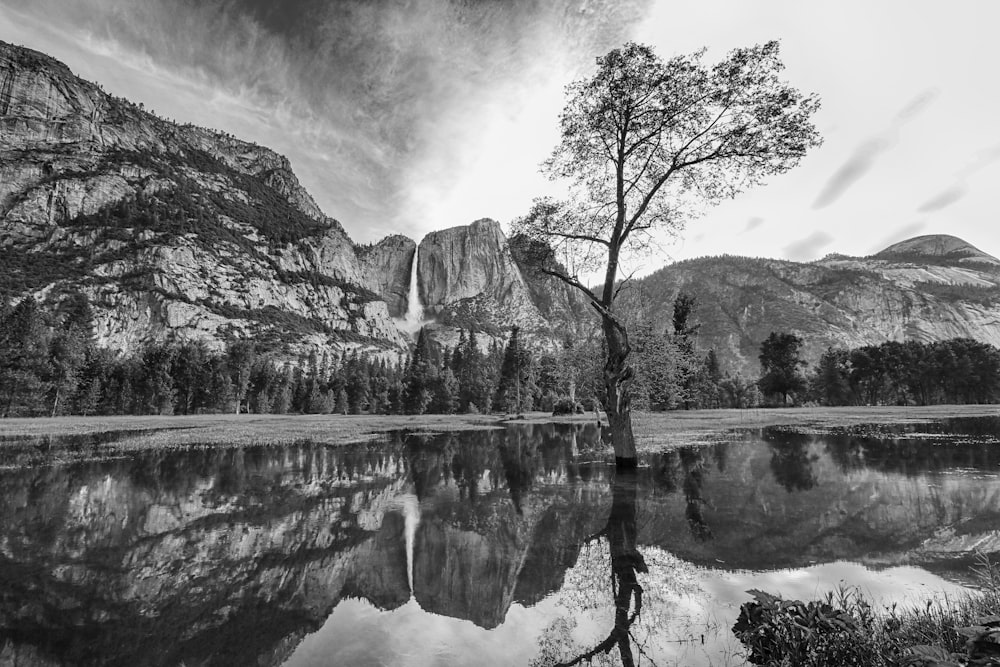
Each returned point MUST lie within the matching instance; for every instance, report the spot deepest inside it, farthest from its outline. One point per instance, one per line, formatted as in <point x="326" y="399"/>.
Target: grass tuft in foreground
<point x="845" y="630"/>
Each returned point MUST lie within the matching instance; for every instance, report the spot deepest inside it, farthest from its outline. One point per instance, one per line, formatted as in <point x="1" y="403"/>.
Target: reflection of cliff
<point x="224" y="556"/>
<point x="805" y="499"/>
<point x="232" y="556"/>
<point x="486" y="537"/>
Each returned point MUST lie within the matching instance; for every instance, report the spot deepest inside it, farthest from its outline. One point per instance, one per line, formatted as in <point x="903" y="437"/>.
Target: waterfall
<point x="414" y="309"/>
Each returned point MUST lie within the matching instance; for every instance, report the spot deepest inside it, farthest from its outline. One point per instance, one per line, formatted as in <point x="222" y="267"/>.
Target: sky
<point x="407" y="116"/>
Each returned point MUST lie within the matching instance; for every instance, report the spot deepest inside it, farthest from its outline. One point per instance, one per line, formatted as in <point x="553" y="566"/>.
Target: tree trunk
<point x="617" y="403"/>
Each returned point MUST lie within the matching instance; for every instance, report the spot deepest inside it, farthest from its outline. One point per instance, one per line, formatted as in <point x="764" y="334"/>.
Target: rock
<point x="173" y="231"/>
<point x="386" y="270"/>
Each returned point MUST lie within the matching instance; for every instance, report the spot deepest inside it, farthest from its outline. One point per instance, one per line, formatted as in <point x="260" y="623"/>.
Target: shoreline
<point x="653" y="430"/>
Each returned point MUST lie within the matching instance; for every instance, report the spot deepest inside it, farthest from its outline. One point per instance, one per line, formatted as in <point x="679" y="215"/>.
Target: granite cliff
<point x="175" y="231"/>
<point x="473" y="276"/>
<point x="170" y="230"/>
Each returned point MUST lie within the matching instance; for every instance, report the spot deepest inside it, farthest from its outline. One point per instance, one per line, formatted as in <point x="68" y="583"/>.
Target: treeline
<point x="50" y="365"/>
<point x="959" y="370"/>
<point x="671" y="374"/>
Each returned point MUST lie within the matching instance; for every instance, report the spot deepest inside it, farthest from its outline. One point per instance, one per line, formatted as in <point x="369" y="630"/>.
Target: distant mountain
<point x="938" y="249"/>
<point x="925" y="289"/>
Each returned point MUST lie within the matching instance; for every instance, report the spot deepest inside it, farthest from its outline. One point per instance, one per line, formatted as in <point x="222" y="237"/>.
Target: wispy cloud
<point x="866" y="155"/>
<point x="752" y="224"/>
<point x="807" y="248"/>
<point x="411" y="107"/>
<point x="957" y="190"/>
<point x="900" y="234"/>
<point x="943" y="199"/>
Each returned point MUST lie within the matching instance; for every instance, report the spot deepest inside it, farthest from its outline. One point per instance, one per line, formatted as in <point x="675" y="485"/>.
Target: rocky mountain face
<point x="175" y="231"/>
<point x="474" y="277"/>
<point x="170" y="230"/>
<point x="386" y="267"/>
<point x="925" y="289"/>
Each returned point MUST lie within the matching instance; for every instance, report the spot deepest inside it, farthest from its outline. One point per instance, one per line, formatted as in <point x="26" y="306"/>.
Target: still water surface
<point x="513" y="547"/>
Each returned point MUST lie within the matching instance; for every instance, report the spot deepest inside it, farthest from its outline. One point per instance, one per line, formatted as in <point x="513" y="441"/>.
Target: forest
<point x="51" y="365"/>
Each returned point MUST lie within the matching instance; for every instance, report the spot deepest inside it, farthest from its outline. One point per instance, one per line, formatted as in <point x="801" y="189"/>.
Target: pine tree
<point x="420" y="376"/>
<point x="514" y="387"/>
<point x="24" y="358"/>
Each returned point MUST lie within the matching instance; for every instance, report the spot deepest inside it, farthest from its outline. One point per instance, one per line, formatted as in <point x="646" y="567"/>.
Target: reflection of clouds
<point x="865" y="155"/>
<point x="683" y="602"/>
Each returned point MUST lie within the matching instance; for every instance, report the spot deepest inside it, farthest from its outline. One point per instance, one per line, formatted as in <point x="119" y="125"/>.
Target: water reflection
<point x="458" y="547"/>
<point x="627" y="562"/>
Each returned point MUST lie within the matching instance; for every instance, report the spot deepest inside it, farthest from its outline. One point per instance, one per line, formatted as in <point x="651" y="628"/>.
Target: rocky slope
<point x="175" y="231"/>
<point x="924" y="289"/>
<point x="171" y="230"/>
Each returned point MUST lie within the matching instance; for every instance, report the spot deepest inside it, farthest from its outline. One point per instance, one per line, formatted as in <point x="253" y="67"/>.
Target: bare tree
<point x="645" y="144"/>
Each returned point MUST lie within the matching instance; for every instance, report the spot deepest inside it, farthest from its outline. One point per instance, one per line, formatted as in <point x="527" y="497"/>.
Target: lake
<point x="516" y="546"/>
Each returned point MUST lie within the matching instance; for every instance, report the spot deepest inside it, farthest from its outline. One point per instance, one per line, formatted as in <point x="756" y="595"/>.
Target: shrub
<point x="566" y="406"/>
<point x="790" y="632"/>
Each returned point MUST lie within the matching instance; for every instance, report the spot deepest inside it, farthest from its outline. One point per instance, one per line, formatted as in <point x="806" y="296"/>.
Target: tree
<point x="24" y="357"/>
<point x="780" y="361"/>
<point x="241" y="356"/>
<point x="514" y="387"/>
<point x="644" y="143"/>
<point x="67" y="355"/>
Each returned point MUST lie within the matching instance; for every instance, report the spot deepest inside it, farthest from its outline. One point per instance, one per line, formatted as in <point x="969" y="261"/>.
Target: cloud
<point x="865" y="155"/>
<point x="901" y="234"/>
<point x="959" y="188"/>
<point x="807" y="248"/>
<point x="753" y="223"/>
<point x="412" y="108"/>
<point x="859" y="164"/>
<point x="943" y="199"/>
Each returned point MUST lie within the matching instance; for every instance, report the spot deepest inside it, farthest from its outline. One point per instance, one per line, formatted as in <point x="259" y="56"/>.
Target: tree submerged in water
<point x="645" y="144"/>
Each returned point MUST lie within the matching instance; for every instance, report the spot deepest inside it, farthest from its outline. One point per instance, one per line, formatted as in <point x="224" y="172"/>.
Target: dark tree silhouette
<point x="780" y="361"/>
<point x="622" y="534"/>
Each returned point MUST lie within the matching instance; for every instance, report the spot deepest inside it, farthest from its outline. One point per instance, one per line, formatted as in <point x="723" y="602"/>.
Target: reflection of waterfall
<point x="414" y="309"/>
<point x="411" y="516"/>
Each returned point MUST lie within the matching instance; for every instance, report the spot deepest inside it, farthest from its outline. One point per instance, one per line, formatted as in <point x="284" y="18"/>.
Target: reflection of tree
<point x="686" y="468"/>
<point x="693" y="462"/>
<point x="621" y="533"/>
<point x="791" y="464"/>
<point x="519" y="463"/>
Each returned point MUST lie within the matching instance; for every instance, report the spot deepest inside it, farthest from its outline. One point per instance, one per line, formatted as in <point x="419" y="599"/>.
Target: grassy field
<point x="652" y="430"/>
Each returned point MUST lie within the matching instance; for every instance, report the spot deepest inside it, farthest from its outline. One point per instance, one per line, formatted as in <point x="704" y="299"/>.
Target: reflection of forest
<point x="230" y="556"/>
